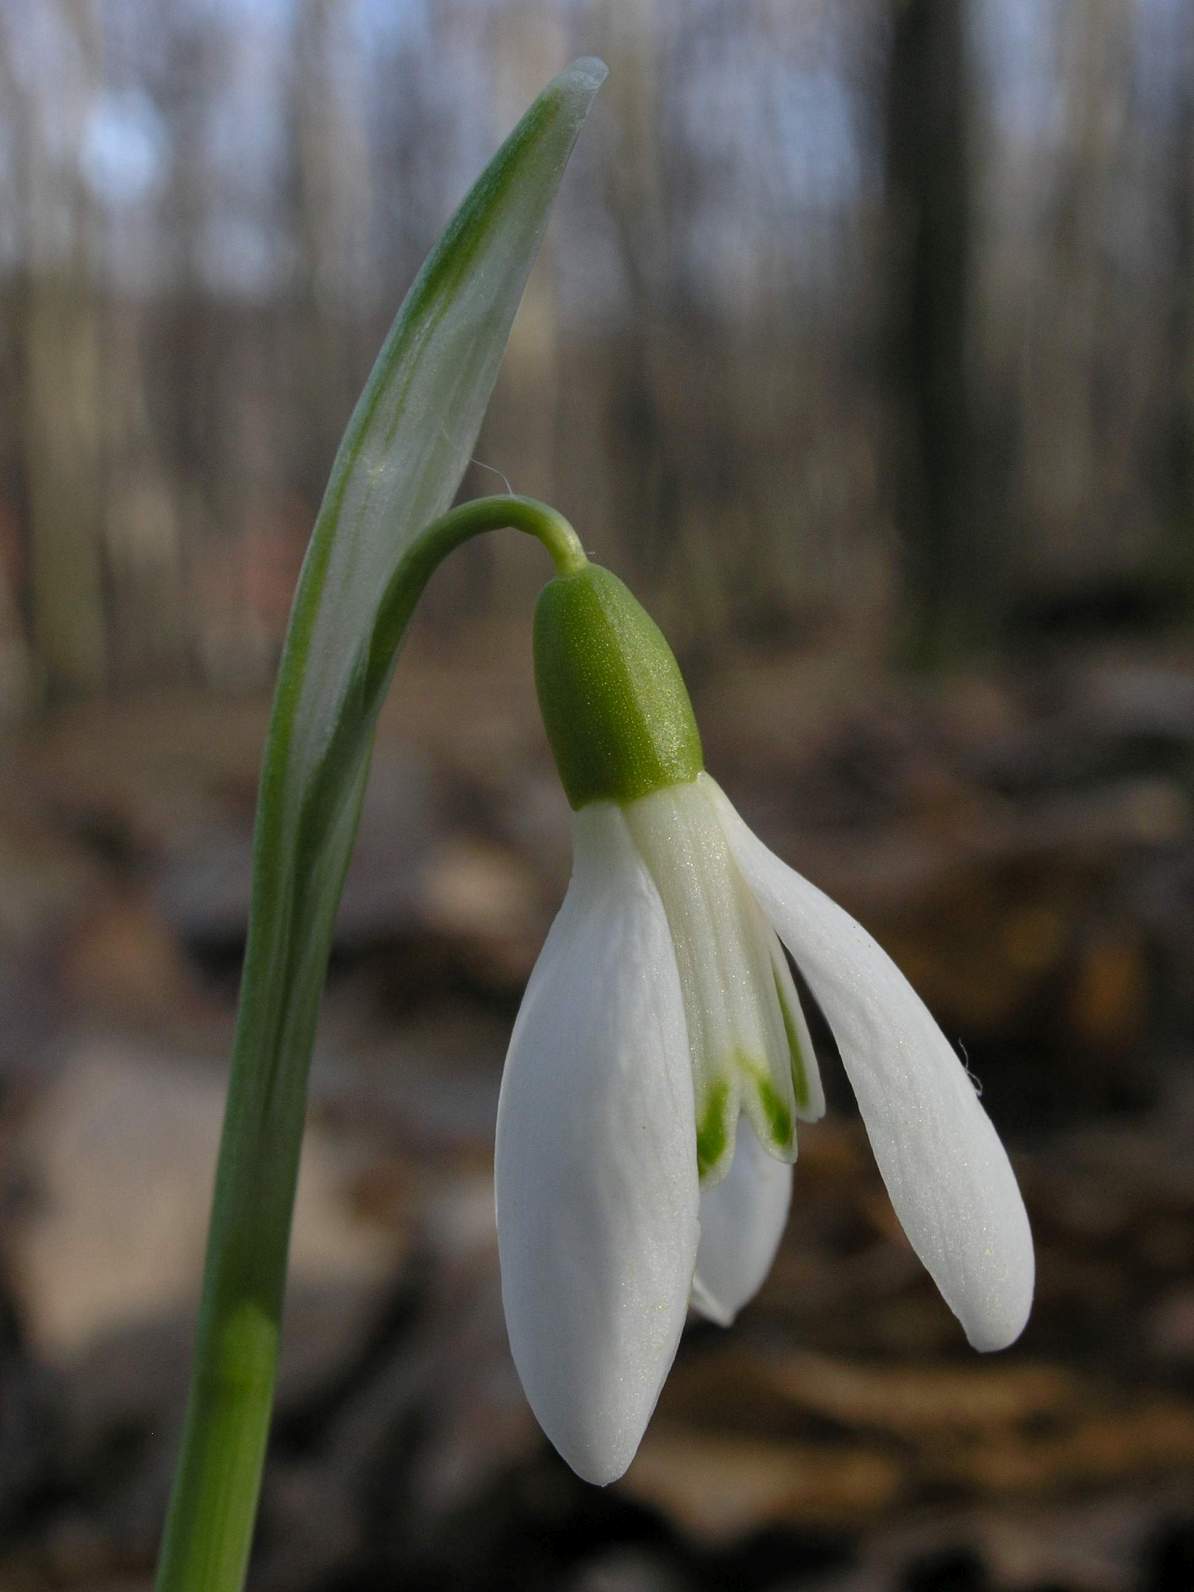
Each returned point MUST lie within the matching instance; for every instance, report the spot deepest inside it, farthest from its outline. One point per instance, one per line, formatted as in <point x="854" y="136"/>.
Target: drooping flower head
<point x="661" y="1061"/>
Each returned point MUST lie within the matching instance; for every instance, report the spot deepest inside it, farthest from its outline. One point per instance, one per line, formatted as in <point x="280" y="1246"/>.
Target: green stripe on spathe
<point x="614" y="703"/>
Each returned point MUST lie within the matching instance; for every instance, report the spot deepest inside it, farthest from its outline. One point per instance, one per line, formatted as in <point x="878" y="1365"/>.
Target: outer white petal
<point x="742" y="1221"/>
<point x="596" y="1175"/>
<point x="948" y="1175"/>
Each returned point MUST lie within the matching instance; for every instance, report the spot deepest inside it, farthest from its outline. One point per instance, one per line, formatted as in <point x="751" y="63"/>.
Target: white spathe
<point x="639" y="1004"/>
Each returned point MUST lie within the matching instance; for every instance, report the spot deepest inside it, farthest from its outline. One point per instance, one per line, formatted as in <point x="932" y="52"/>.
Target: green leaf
<point x="400" y="463"/>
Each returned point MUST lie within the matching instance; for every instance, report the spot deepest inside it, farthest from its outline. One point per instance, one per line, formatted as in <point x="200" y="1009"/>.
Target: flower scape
<point x="661" y="1061"/>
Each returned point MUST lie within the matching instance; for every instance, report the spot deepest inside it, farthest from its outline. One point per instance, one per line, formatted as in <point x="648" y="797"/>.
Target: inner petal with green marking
<point x="746" y="1033"/>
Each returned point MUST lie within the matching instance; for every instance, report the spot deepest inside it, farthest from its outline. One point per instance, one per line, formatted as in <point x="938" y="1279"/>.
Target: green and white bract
<point x="660" y="1012"/>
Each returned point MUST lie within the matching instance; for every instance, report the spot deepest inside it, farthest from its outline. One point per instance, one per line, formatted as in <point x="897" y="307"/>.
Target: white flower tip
<point x="599" y="1451"/>
<point x="713" y="1309"/>
<point x="999" y="1314"/>
<point x="986" y="1269"/>
<point x="592" y="1367"/>
<point x="989" y="1340"/>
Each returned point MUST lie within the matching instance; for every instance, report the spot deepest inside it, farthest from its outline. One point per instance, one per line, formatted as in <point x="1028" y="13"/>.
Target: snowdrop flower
<point x="661" y="1060"/>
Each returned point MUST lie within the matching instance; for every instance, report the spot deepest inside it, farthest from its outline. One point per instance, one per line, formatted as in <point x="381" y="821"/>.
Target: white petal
<point x="946" y="1171"/>
<point x="742" y="1221"/>
<point x="596" y="1173"/>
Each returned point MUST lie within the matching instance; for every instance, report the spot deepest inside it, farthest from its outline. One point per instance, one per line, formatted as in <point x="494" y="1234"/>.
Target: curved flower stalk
<point x="660" y="1061"/>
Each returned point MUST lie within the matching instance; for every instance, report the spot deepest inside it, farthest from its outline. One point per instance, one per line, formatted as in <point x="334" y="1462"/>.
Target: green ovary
<point x="614" y="703"/>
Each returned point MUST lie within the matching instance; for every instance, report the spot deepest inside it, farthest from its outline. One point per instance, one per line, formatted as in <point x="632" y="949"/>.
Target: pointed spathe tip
<point x="589" y="70"/>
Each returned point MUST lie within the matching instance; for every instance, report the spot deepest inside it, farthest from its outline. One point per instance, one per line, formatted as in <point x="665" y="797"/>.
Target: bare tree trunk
<point x="946" y="569"/>
<point x="1077" y="532"/>
<point x="333" y="198"/>
<point x="1179" y="437"/>
<point x="60" y="401"/>
<point x="638" y="206"/>
<point x="16" y="662"/>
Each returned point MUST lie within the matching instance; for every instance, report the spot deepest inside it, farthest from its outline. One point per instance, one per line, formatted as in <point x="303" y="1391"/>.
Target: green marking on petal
<point x="713" y="1128"/>
<point x="779" y="1118"/>
<point x="800" y="1086"/>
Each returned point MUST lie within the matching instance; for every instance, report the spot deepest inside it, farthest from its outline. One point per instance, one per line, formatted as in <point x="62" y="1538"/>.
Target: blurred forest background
<point x="897" y="296"/>
<point x="862" y="343"/>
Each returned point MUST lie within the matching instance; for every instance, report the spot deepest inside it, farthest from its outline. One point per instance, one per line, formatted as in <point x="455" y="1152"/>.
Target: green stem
<point x="438" y="540"/>
<point x="209" y="1527"/>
